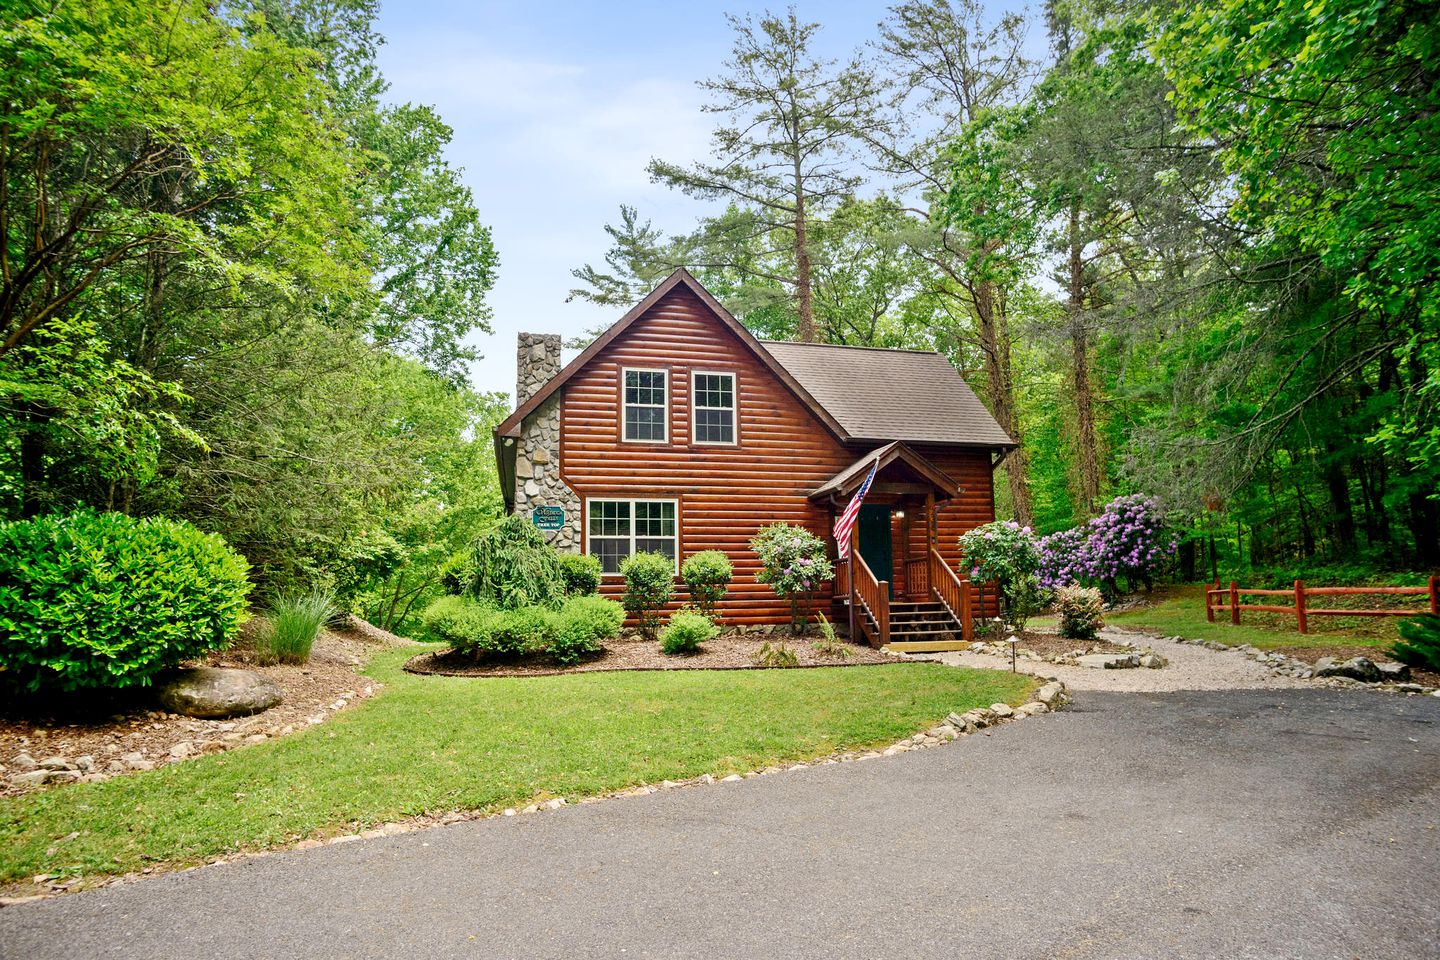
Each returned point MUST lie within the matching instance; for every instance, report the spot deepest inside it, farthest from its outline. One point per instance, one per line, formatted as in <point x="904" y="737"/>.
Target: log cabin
<point x="677" y="430"/>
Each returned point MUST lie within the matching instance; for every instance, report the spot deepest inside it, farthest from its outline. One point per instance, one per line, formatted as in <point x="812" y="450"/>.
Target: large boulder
<point x="214" y="693"/>
<point x="1356" y="668"/>
<point x="1109" y="661"/>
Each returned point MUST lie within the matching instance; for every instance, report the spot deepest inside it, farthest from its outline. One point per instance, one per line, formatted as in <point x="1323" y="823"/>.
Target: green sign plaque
<point x="548" y="518"/>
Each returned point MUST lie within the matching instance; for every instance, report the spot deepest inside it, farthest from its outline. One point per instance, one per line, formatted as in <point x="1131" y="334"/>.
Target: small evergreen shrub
<point x="686" y="632"/>
<point x="295" y="620"/>
<point x="521" y="631"/>
<point x="460" y="623"/>
<point x="794" y="562"/>
<point x="1080" y="612"/>
<point x="707" y="576"/>
<point x="776" y="655"/>
<point x="581" y="573"/>
<point x="513" y="567"/>
<point x="583" y="626"/>
<point x="91" y="600"/>
<point x="1024" y="598"/>
<point x="829" y="645"/>
<point x="1419" y="643"/>
<point x="649" y="586"/>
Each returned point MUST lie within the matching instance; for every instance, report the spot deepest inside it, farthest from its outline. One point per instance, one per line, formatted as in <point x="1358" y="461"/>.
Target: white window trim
<point x="734" y="409"/>
<point x="625" y="404"/>
<point x="590" y="538"/>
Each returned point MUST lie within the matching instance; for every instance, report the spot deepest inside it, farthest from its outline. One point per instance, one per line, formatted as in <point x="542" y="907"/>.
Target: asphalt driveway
<point x="1255" y="823"/>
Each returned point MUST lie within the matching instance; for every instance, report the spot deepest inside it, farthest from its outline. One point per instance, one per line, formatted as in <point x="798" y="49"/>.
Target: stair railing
<point x="953" y="592"/>
<point x="874" y="595"/>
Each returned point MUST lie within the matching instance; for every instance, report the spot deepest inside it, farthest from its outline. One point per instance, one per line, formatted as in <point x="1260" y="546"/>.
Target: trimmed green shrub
<point x="583" y="626"/>
<point x="776" y="655"/>
<point x="514" y="567"/>
<point x="707" y="576"/>
<point x="685" y="632"/>
<point x="1080" y="609"/>
<point x="581" y="573"/>
<point x="104" y="600"/>
<point x="649" y="586"/>
<point x="526" y="630"/>
<point x="295" y="620"/>
<point x="1419" y="643"/>
<point x="461" y="624"/>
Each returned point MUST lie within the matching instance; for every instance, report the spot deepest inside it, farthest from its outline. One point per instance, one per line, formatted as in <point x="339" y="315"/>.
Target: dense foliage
<point x="512" y="566"/>
<point x="581" y="573"/>
<point x="93" y="600"/>
<point x="685" y="633"/>
<point x="707" y="577"/>
<point x="1419" y="643"/>
<point x="649" y="586"/>
<point x="579" y="628"/>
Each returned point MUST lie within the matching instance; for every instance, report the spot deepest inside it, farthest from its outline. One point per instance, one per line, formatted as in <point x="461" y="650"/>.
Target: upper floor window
<point x="646" y="402"/>
<point x="714" y="407"/>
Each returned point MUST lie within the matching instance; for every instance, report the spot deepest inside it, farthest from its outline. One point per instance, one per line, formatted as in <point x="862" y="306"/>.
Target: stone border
<point x="1286" y="666"/>
<point x="1049" y="697"/>
<point x="1139" y="656"/>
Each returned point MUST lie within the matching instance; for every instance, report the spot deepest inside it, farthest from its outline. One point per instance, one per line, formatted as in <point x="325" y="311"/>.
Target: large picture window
<point x="714" y="407"/>
<point x="619" y="528"/>
<point x="646" y="403"/>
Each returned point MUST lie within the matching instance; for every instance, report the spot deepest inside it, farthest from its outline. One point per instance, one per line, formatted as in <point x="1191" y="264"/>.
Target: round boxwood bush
<point x="581" y="572"/>
<point x="91" y="600"/>
<point x="707" y="576"/>
<point x="583" y="626"/>
<point x="685" y="632"/>
<point x="649" y="586"/>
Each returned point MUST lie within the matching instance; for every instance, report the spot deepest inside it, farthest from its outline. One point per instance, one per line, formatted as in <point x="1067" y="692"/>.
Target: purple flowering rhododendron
<point x="1129" y="539"/>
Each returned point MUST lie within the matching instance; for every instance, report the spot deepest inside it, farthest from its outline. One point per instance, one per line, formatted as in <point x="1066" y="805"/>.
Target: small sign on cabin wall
<point x="548" y="518"/>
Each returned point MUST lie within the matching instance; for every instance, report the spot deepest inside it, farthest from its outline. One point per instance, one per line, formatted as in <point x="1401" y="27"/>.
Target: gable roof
<point x="845" y="483"/>
<point x="881" y="395"/>
<point x="860" y="394"/>
<point x="510" y="426"/>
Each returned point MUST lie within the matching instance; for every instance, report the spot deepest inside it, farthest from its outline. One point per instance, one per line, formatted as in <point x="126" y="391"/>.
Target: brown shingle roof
<point x="878" y="394"/>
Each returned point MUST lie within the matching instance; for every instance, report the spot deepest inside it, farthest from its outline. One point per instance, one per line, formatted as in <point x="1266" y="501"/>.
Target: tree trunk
<point x="995" y="345"/>
<point x="1087" y="447"/>
<point x="804" y="296"/>
<point x="32" y="459"/>
<point x="1342" y="521"/>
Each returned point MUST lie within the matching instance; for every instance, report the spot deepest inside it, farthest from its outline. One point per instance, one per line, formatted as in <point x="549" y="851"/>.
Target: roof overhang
<point x="896" y="454"/>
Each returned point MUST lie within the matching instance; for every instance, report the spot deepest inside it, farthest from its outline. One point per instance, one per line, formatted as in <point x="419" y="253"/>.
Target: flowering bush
<point x="1000" y="551"/>
<point x="1129" y="539"/>
<point x="793" y="562"/>
<point x="1079" y="609"/>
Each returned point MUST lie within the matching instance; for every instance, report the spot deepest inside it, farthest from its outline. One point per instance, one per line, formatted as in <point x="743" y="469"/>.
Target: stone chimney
<point x="537" y="359"/>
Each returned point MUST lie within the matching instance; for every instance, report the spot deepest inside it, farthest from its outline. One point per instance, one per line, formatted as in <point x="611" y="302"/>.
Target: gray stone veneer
<point x="537" y="459"/>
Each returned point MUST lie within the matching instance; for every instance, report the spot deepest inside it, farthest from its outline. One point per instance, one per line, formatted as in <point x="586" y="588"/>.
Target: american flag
<point x="846" y="523"/>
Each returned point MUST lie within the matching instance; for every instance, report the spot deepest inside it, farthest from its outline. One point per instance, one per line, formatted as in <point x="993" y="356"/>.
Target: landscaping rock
<point x="182" y="750"/>
<point x="215" y="693"/>
<point x="1356" y="668"/>
<point x="1397" y="672"/>
<point x="25" y="762"/>
<point x="32" y="778"/>
<point x="1109" y="661"/>
<point x="1002" y="710"/>
<point x="56" y="763"/>
<point x="1153" y="661"/>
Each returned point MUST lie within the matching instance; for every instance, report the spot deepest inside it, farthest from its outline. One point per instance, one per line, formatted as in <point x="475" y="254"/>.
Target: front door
<point x="873" y="528"/>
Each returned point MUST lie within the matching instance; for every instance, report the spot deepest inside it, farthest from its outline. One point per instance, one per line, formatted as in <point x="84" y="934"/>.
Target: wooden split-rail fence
<point x="1223" y="598"/>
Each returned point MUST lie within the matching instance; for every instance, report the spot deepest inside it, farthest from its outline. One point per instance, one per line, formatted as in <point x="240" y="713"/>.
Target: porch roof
<point x="847" y="481"/>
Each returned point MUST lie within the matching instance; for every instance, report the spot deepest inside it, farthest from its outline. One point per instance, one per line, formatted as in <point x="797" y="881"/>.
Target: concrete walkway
<point x="1234" y="824"/>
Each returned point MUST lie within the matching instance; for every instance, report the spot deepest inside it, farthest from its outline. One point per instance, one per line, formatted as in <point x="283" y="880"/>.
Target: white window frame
<point x="734" y="409"/>
<point x="625" y="404"/>
<point x="632" y="501"/>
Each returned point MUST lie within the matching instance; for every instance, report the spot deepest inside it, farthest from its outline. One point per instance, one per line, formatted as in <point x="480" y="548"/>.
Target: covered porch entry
<point x="897" y="588"/>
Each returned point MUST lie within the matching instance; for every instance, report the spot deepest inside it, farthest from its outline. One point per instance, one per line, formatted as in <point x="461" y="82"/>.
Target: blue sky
<point x="557" y="107"/>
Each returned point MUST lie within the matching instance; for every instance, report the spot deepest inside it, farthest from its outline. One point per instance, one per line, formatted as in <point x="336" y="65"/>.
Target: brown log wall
<point x="726" y="493"/>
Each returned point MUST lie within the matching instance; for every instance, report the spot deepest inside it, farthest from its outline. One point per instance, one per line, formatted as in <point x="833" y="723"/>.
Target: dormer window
<point x="714" y="403"/>
<point x="646" y="401"/>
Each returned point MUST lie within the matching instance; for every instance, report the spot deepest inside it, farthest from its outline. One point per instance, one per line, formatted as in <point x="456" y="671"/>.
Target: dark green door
<point x="873" y="527"/>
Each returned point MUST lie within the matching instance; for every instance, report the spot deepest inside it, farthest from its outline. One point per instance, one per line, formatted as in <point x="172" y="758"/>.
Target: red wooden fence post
<point x="1435" y="595"/>
<point x="1235" y="602"/>
<point x="1209" y="610"/>
<point x="1300" y="606"/>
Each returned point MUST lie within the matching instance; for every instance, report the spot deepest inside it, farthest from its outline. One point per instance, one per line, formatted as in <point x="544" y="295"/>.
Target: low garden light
<point x="1012" y="640"/>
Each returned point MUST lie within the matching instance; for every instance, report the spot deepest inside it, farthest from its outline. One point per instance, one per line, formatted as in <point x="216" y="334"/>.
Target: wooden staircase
<point x="941" y="622"/>
<point x="924" y="626"/>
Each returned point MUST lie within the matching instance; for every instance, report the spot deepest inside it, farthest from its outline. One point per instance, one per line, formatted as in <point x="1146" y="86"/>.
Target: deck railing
<point x="950" y="590"/>
<point x="874" y="596"/>
<point x="1300" y="609"/>
<point x="917" y="577"/>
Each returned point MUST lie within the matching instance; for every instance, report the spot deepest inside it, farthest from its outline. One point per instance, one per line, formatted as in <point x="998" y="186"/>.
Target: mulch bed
<point x="107" y="726"/>
<point x="729" y="651"/>
<point x="1053" y="645"/>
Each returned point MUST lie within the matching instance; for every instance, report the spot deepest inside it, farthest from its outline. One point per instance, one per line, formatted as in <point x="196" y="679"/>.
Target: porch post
<point x="932" y="537"/>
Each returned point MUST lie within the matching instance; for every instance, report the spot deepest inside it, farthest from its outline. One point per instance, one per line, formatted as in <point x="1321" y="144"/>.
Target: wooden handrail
<point x="950" y="590"/>
<point x="875" y="595"/>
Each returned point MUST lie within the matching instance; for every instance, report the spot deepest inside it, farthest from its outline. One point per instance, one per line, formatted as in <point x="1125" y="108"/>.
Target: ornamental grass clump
<point x="97" y="600"/>
<point x="686" y="632"/>
<point x="707" y="576"/>
<point x="649" y="586"/>
<point x="294" y="621"/>
<point x="1080" y="611"/>
<point x="794" y="562"/>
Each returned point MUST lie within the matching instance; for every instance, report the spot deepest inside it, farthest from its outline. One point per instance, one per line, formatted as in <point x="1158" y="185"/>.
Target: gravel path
<point x="1190" y="668"/>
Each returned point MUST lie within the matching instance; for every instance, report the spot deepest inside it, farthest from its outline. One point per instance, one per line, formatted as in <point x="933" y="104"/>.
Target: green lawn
<point x="1180" y="611"/>
<point x="435" y="744"/>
